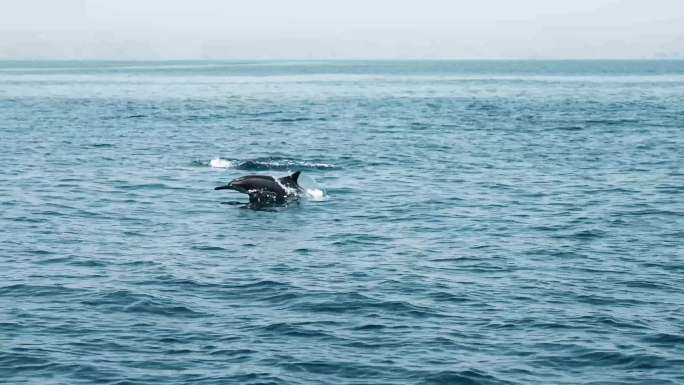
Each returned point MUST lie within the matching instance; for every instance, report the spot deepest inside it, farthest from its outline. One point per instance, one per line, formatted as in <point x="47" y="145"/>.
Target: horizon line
<point x="333" y="59"/>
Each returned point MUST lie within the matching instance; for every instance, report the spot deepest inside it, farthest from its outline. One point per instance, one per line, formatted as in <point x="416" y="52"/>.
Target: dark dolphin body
<point x="264" y="190"/>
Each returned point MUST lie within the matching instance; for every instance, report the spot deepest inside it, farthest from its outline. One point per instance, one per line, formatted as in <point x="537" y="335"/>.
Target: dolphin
<point x="264" y="190"/>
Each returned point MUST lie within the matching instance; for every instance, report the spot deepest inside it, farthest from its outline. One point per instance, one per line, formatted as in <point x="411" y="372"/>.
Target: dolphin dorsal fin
<point x="295" y="176"/>
<point x="290" y="180"/>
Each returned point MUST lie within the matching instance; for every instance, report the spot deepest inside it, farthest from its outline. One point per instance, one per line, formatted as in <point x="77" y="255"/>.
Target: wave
<point x="133" y="302"/>
<point x="270" y="163"/>
<point x="469" y="376"/>
<point x="32" y="291"/>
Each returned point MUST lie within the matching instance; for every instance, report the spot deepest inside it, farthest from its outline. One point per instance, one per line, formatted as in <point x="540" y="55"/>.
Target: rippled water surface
<point x="482" y="223"/>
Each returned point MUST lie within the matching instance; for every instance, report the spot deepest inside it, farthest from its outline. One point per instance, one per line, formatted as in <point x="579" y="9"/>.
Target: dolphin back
<point x="264" y="190"/>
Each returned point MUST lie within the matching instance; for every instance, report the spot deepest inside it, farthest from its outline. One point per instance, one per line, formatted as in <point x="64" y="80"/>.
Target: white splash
<point x="314" y="194"/>
<point x="315" y="165"/>
<point x="221" y="163"/>
<point x="311" y="190"/>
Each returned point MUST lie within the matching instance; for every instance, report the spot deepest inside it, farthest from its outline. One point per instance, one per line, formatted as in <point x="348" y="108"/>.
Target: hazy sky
<point x="349" y="29"/>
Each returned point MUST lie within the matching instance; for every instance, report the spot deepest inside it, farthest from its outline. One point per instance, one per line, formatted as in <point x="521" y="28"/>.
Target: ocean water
<point x="489" y="222"/>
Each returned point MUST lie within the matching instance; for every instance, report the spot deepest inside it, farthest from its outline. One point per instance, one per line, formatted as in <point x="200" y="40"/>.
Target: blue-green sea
<point x="474" y="222"/>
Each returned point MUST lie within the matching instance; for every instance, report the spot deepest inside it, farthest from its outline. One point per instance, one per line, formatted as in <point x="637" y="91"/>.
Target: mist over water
<point x="481" y="222"/>
<point x="353" y="29"/>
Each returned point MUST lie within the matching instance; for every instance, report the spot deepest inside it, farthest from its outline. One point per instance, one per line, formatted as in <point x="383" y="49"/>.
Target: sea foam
<point x="221" y="163"/>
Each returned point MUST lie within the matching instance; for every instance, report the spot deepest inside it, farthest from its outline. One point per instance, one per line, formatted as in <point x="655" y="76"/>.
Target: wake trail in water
<point x="262" y="164"/>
